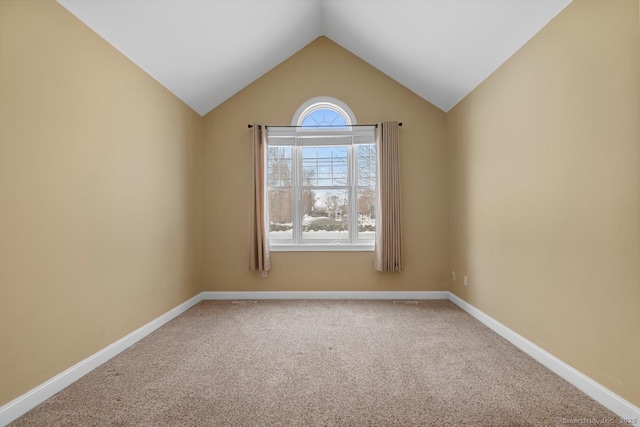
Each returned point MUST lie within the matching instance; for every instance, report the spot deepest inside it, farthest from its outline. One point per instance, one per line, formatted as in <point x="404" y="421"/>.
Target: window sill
<point x="320" y="247"/>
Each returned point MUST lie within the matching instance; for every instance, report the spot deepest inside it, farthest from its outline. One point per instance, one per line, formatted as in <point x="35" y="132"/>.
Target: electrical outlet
<point x="453" y="275"/>
<point x="466" y="282"/>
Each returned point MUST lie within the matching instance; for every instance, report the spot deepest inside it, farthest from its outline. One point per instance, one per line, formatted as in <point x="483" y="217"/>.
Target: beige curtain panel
<point x="388" y="252"/>
<point x="260" y="255"/>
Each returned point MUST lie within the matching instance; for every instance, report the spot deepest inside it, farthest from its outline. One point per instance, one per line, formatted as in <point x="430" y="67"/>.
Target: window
<point x="321" y="176"/>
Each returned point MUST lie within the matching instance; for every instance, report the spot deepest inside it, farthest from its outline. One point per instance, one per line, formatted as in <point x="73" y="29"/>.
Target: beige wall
<point x="100" y="195"/>
<point x="324" y="69"/>
<point x="545" y="192"/>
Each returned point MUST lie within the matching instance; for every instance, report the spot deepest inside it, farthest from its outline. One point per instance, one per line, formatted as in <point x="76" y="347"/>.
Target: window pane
<point x="366" y="214"/>
<point x="280" y="225"/>
<point x="324" y="166"/>
<point x="279" y="167"/>
<point x="367" y="165"/>
<point x="324" y="117"/>
<point x="327" y="217"/>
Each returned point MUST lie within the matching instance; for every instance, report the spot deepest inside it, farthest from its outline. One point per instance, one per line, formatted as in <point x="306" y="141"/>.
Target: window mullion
<point x="297" y="172"/>
<point x="353" y="195"/>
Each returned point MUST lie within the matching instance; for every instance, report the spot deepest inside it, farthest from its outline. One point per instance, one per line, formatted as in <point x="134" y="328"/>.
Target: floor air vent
<point x="406" y="302"/>
<point x="244" y="301"/>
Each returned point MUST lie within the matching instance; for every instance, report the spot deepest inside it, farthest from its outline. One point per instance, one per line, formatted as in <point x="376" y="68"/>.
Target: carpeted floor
<point x="319" y="363"/>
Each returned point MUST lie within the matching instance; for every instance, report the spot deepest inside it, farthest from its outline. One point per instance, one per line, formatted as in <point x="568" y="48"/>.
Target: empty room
<point x="319" y="212"/>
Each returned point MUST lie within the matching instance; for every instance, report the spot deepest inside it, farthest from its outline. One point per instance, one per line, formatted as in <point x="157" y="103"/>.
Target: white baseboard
<point x="601" y="394"/>
<point x="21" y="405"/>
<point x="596" y="391"/>
<point x="363" y="295"/>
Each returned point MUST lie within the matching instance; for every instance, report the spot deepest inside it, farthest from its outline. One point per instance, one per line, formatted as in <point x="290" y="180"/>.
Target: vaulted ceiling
<point x="205" y="51"/>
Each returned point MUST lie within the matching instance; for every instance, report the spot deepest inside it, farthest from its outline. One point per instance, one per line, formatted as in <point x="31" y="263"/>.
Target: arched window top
<point x="324" y="117"/>
<point x="324" y="113"/>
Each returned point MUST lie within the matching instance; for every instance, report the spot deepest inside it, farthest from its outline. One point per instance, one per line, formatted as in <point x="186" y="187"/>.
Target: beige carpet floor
<point x="319" y="363"/>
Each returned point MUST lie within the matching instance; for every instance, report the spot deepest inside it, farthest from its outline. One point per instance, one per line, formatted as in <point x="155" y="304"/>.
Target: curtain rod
<point x="315" y="127"/>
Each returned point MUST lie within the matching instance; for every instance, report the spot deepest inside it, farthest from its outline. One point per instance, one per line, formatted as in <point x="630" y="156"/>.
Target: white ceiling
<point x="205" y="51"/>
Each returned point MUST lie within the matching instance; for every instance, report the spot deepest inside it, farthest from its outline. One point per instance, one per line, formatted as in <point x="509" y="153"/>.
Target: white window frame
<point x="300" y="137"/>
